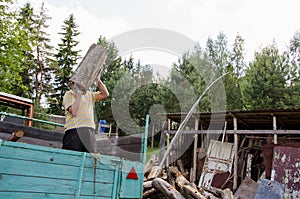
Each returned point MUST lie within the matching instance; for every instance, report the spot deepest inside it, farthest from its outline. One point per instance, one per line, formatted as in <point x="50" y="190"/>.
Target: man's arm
<point x="103" y="92"/>
<point x="73" y="109"/>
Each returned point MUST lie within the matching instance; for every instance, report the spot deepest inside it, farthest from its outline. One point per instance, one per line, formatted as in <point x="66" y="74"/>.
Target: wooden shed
<point x="254" y="134"/>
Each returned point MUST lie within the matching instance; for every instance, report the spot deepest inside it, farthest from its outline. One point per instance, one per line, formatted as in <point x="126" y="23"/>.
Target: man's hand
<point x="103" y="92"/>
<point x="73" y="109"/>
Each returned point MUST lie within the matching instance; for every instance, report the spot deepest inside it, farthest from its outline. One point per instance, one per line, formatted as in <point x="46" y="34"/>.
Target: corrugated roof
<point x="247" y="119"/>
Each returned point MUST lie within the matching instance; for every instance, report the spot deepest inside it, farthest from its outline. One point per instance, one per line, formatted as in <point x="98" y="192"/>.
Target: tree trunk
<point x="191" y="193"/>
<point x="169" y="191"/>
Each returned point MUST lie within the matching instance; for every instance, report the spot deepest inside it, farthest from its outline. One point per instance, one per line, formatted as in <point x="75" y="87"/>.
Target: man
<point x="80" y="126"/>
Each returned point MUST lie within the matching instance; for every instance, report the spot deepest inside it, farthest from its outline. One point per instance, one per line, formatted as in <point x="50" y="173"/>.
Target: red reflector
<point x="132" y="174"/>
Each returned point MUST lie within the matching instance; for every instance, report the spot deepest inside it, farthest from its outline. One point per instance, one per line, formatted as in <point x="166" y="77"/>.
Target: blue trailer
<point x="29" y="171"/>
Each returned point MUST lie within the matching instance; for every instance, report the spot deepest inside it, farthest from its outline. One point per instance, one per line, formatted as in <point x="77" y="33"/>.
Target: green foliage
<point x="41" y="114"/>
<point x="187" y="82"/>
<point x="13" y="42"/>
<point x="45" y="65"/>
<point x="230" y="62"/>
<point x="67" y="58"/>
<point x="111" y="72"/>
<point x="264" y="85"/>
<point x="294" y="73"/>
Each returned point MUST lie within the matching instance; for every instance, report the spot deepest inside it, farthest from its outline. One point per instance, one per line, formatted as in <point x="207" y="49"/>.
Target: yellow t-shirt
<point x="85" y="115"/>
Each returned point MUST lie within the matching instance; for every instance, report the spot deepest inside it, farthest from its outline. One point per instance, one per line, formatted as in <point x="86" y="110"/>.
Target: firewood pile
<point x="172" y="183"/>
<point x="263" y="170"/>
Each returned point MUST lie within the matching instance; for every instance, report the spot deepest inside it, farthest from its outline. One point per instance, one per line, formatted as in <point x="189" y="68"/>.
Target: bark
<point x="191" y="193"/>
<point x="169" y="191"/>
<point x="16" y="135"/>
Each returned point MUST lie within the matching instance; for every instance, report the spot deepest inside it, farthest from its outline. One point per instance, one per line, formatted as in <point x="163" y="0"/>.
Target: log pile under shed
<point x="255" y="155"/>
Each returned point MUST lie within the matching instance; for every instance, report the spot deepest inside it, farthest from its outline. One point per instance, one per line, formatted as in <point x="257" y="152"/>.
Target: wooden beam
<point x="236" y="160"/>
<point x="152" y="135"/>
<point x="168" y="139"/>
<point x="239" y="132"/>
<point x="162" y="142"/>
<point x="240" y="120"/>
<point x="194" y="169"/>
<point x="38" y="133"/>
<point x="275" y="128"/>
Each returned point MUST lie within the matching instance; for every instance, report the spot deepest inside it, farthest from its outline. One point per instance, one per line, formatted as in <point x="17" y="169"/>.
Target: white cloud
<point x="259" y="22"/>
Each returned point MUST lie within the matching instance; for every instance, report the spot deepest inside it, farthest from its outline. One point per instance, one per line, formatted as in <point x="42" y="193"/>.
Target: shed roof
<point x="246" y="119"/>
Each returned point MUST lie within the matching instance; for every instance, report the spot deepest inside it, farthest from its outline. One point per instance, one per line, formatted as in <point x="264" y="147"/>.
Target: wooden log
<point x="149" y="192"/>
<point x="207" y="194"/>
<point x="155" y="171"/>
<point x="88" y="69"/>
<point x="169" y="191"/>
<point x="16" y="135"/>
<point x="170" y="173"/>
<point x="225" y="193"/>
<point x="191" y="193"/>
<point x="151" y="162"/>
<point x="180" y="165"/>
<point x="147" y="184"/>
<point x="181" y="181"/>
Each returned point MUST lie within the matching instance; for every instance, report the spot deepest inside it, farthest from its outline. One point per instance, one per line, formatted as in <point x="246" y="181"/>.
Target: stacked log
<point x="170" y="183"/>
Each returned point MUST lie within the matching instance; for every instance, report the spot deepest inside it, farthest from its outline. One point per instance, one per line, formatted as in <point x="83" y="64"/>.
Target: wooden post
<point x="275" y="128"/>
<point x="168" y="140"/>
<point x="236" y="161"/>
<point x="117" y="130"/>
<point x="193" y="176"/>
<point x="152" y="134"/>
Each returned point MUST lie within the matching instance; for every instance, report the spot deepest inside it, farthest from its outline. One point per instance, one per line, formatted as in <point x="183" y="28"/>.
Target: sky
<point x="259" y="22"/>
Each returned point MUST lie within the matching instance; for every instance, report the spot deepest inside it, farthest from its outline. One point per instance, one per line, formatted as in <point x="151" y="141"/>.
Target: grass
<point x="150" y="152"/>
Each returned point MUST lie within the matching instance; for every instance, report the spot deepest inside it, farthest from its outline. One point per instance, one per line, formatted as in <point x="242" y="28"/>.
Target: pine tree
<point x="293" y="55"/>
<point x="111" y="72"/>
<point x="67" y="58"/>
<point x="235" y="71"/>
<point x="45" y="63"/>
<point x="264" y="85"/>
<point x="26" y="22"/>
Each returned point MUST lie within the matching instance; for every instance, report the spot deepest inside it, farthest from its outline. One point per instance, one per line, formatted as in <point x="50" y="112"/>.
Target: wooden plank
<point x="120" y="152"/>
<point x="29" y="140"/>
<point x="43" y="134"/>
<point x="55" y="171"/>
<point x="50" y="155"/>
<point x="14" y="195"/>
<point x="242" y="132"/>
<point x="49" y="185"/>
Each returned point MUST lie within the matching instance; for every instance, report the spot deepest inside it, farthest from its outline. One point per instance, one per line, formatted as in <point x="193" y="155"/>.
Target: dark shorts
<point x="80" y="139"/>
